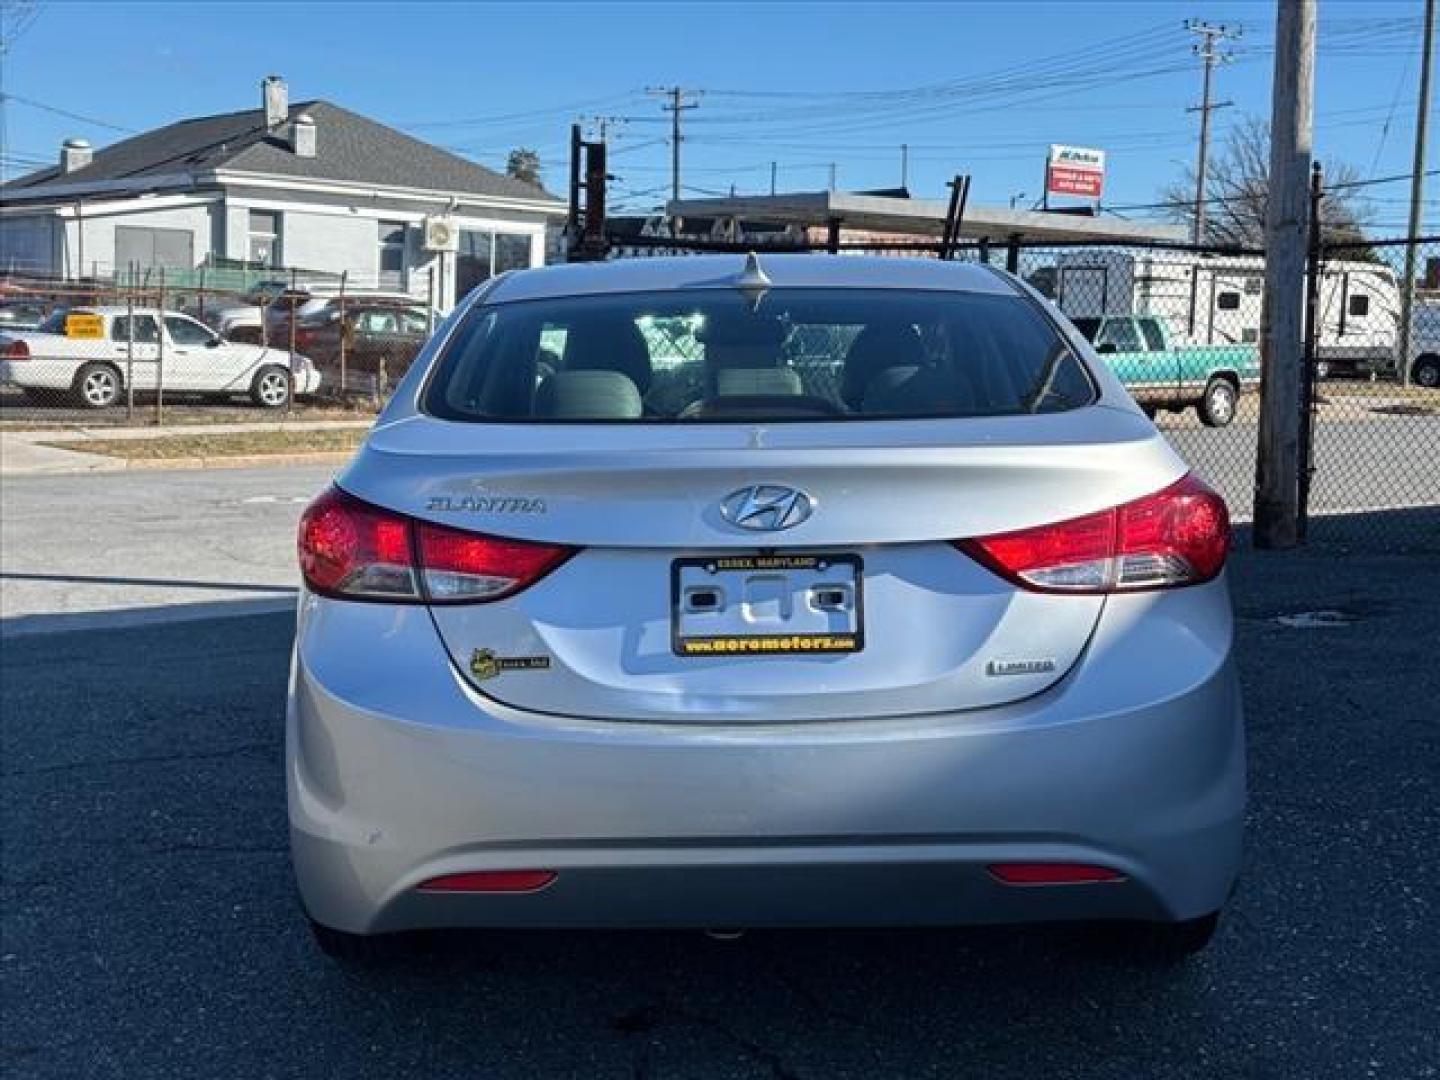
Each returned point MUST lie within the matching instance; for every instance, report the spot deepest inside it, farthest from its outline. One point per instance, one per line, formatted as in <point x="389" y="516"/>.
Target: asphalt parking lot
<point x="149" y="928"/>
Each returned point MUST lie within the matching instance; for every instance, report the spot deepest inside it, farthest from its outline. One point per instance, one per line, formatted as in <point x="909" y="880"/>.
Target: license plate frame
<point x="834" y="575"/>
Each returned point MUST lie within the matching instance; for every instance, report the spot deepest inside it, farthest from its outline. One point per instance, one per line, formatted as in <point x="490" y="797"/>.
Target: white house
<point x="312" y="189"/>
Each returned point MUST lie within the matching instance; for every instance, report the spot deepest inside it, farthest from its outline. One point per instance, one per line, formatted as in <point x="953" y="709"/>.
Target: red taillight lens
<point x="1177" y="536"/>
<point x="1052" y="873"/>
<point x="490" y="881"/>
<point x="353" y="550"/>
<point x="460" y="566"/>
<point x="15" y="350"/>
<point x="348" y="548"/>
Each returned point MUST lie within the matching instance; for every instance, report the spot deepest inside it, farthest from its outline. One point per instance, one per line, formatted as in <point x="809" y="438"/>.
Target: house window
<point x="264" y="238"/>
<point x="1228" y="301"/>
<point x="149" y="248"/>
<point x="512" y="252"/>
<point x="482" y="254"/>
<point x="1359" y="305"/>
<point x="392" y="255"/>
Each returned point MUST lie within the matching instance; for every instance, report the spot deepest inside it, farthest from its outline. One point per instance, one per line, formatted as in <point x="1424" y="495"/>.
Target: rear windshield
<point x="786" y="354"/>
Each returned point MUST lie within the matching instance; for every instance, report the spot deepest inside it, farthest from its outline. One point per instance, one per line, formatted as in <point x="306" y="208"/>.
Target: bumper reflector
<point x="1052" y="873"/>
<point x="490" y="881"/>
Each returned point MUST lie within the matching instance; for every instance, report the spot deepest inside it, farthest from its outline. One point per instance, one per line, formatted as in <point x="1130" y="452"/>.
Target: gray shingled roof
<point x="350" y="149"/>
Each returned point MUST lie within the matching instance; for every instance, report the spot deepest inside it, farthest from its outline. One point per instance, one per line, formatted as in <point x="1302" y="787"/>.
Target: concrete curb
<point x="241" y="461"/>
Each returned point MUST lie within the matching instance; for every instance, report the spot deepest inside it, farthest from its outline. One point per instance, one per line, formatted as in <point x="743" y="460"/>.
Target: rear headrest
<point x="614" y="344"/>
<point x="879" y="346"/>
<point x="588" y="395"/>
<point x="773" y="381"/>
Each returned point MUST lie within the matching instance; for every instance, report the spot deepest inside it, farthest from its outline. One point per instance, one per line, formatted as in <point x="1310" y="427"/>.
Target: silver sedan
<point x="738" y="592"/>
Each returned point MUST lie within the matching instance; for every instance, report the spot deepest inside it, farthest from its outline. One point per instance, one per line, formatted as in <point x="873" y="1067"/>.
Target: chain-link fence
<point x="1180" y="325"/>
<point x="173" y="346"/>
<point x="1374" y="417"/>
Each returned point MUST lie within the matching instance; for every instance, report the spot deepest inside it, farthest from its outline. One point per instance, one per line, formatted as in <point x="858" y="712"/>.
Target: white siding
<point x="95" y="253"/>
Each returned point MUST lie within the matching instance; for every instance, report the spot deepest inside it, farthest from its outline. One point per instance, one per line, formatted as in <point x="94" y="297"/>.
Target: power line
<point x="7" y="96"/>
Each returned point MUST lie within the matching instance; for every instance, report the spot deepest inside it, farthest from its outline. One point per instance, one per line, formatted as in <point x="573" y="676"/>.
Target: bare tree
<point x="524" y="164"/>
<point x="1237" y="185"/>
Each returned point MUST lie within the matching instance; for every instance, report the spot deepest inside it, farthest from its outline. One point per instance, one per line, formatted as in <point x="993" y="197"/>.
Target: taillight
<point x="15" y="350"/>
<point x="1177" y="536"/>
<point x="460" y="566"/>
<point x="352" y="550"/>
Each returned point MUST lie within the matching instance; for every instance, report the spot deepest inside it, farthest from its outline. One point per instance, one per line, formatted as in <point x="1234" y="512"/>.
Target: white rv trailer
<point x="1215" y="300"/>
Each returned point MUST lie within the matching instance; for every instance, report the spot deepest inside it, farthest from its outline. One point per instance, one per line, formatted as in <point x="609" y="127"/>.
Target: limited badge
<point x="484" y="664"/>
<point x="1020" y="667"/>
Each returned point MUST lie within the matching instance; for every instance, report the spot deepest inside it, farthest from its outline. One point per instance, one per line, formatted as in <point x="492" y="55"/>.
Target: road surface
<point x="150" y="929"/>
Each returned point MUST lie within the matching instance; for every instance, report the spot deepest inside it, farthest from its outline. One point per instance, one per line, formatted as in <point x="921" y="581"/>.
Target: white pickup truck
<point x="89" y="353"/>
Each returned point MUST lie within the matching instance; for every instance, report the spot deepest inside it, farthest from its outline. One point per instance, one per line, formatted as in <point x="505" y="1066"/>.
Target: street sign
<point x="1076" y="171"/>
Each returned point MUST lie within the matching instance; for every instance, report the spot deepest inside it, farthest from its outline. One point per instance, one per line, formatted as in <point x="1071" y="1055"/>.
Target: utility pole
<point x="772" y="177"/>
<point x="833" y="167"/>
<point x="1210" y="54"/>
<point x="904" y="165"/>
<point x="1417" y="194"/>
<point x="675" y="105"/>
<point x="1287" y="227"/>
<point x="602" y="125"/>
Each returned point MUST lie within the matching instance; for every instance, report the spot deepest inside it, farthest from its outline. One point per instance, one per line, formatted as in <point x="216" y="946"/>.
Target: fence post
<point x="160" y="354"/>
<point x="290" y="360"/>
<point x="344" y="276"/>
<point x="1309" y="398"/>
<point x="430" y="293"/>
<point x="130" y="355"/>
<point x="1012" y="254"/>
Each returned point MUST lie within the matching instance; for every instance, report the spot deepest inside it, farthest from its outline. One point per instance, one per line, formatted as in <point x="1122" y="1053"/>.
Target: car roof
<point x="115" y="309"/>
<point x="664" y="273"/>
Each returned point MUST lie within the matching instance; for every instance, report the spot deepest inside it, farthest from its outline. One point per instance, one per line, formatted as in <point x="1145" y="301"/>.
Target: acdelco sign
<point x="1075" y="170"/>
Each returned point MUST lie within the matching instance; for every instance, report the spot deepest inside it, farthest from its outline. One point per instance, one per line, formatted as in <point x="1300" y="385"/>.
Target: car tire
<point x="1217" y="405"/>
<point x="271" y="387"/>
<point x="1167" y="944"/>
<point x="97" y="386"/>
<point x="1426" y="372"/>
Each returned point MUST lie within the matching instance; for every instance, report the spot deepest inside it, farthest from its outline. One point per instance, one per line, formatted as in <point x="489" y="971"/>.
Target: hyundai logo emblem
<point x="766" y="507"/>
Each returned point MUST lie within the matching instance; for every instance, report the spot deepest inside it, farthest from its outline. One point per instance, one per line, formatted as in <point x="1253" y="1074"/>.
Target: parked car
<point x="231" y="319"/>
<point x="22" y="314"/>
<point x="1160" y="374"/>
<point x="380" y="339"/>
<point x="301" y="305"/>
<point x="932" y="631"/>
<point x="89" y="353"/>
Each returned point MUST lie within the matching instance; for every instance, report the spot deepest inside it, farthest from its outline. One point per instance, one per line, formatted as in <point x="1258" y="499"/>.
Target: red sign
<point x="1068" y="180"/>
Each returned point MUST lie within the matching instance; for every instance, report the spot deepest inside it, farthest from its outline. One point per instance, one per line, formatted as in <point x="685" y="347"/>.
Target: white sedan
<point x="94" y="353"/>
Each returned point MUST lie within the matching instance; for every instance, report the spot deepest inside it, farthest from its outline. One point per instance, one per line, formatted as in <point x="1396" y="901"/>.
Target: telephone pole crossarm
<point x="678" y="100"/>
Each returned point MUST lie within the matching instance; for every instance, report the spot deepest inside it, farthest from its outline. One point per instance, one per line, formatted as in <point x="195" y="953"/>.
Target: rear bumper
<point x="399" y="772"/>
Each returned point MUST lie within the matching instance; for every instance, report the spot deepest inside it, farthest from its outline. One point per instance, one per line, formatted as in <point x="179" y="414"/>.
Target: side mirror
<point x="1108" y="347"/>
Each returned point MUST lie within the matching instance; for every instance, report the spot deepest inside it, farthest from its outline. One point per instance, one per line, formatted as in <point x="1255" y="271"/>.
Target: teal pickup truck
<point x="1163" y="375"/>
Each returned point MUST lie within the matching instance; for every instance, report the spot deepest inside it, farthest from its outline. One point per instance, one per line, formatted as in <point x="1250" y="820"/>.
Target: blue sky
<point x="970" y="86"/>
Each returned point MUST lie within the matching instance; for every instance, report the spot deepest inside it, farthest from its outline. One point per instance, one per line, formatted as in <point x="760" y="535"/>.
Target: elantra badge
<point x="766" y="507"/>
